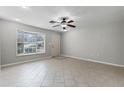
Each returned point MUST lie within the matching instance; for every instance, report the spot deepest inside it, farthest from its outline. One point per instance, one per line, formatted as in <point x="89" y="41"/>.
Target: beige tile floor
<point x="61" y="72"/>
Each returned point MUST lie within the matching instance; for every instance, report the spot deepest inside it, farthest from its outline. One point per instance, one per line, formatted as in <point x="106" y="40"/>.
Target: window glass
<point x="20" y="48"/>
<point x="30" y="43"/>
<point x="20" y="37"/>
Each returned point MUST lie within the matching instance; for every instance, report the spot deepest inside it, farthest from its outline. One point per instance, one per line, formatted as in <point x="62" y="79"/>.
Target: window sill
<point x="30" y="54"/>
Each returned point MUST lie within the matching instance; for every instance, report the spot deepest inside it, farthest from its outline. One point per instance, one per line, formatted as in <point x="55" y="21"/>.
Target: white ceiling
<point x="41" y="15"/>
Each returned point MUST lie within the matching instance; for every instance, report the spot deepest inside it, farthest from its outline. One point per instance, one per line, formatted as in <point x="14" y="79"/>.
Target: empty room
<point x="61" y="46"/>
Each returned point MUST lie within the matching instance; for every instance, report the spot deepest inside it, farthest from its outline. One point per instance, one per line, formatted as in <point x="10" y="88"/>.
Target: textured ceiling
<point x="83" y="15"/>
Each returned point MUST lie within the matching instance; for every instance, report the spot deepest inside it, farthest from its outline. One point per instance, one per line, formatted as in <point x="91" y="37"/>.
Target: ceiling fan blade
<point x="71" y="25"/>
<point x="53" y="21"/>
<point x="70" y="21"/>
<point x="55" y="25"/>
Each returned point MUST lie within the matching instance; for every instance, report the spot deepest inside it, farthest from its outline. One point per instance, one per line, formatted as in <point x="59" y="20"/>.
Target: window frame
<point x="31" y="32"/>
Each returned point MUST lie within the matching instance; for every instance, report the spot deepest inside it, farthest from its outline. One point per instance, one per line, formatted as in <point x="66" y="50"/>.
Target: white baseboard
<point x="11" y="64"/>
<point x="95" y="61"/>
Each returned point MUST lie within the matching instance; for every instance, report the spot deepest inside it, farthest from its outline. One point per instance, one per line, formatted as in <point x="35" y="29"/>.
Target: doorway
<point x="55" y="45"/>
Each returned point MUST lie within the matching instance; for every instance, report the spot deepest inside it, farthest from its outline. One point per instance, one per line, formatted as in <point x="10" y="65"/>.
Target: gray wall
<point x="0" y="46"/>
<point x="101" y="42"/>
<point x="9" y="41"/>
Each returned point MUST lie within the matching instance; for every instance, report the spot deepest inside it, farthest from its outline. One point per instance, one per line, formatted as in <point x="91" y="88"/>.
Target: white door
<point x="55" y="45"/>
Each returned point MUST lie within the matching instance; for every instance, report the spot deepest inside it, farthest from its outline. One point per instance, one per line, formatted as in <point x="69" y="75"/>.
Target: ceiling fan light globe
<point x="64" y="30"/>
<point x="64" y="25"/>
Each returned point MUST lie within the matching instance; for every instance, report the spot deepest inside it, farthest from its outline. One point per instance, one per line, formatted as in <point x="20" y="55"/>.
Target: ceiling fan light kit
<point x="64" y="22"/>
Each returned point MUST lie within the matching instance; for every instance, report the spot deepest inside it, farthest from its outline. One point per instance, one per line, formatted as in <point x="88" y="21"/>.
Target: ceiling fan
<point x="64" y="22"/>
